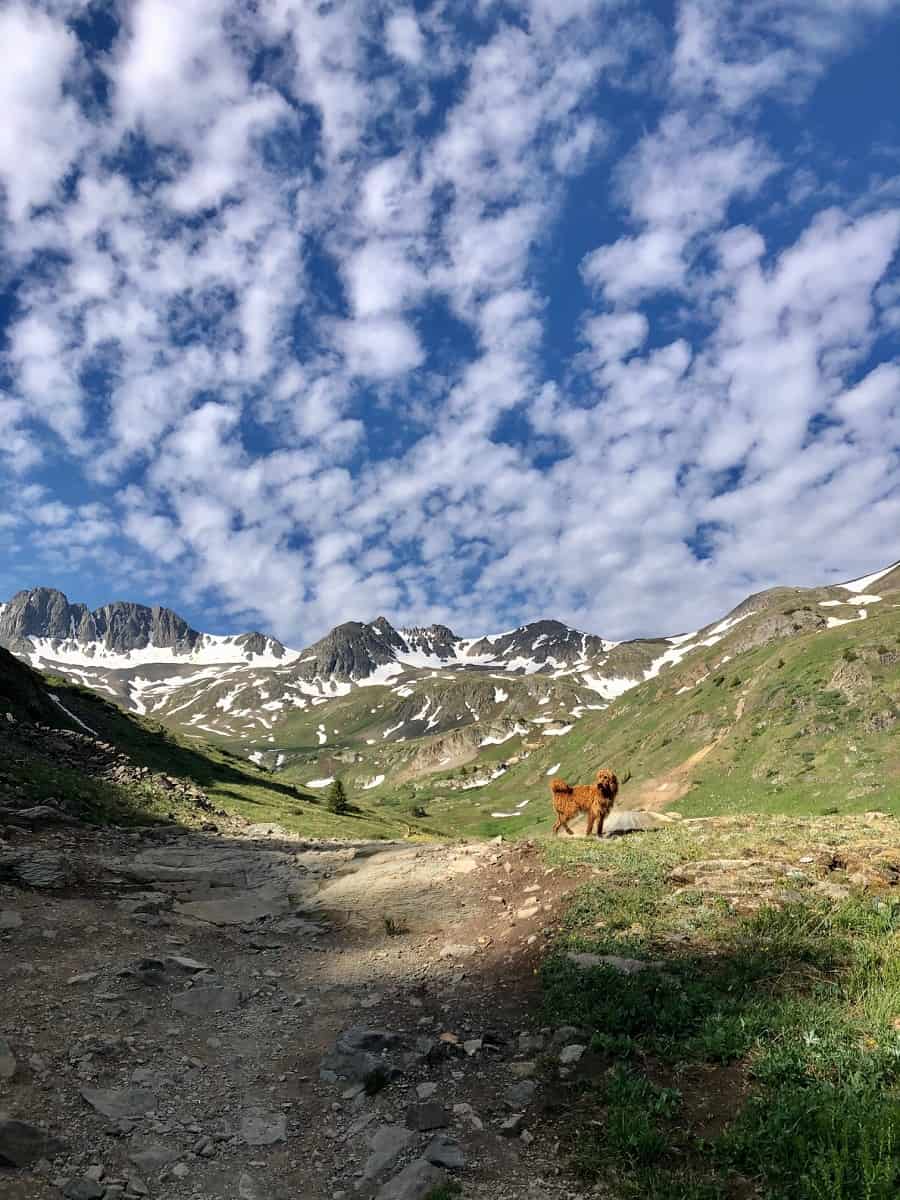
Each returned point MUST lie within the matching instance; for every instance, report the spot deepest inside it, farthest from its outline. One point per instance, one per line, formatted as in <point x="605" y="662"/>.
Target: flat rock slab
<point x="119" y="1103"/>
<point x="36" y="868"/>
<point x="414" y="1182"/>
<point x="429" y="1115"/>
<point x="241" y="909"/>
<point x="446" y="1152"/>
<point x="625" y="820"/>
<point x="622" y="966"/>
<point x="10" y="919"/>
<point x="153" y="1158"/>
<point x="387" y="1144"/>
<point x="22" y="1144"/>
<point x="208" y="1001"/>
<point x="261" y="1128"/>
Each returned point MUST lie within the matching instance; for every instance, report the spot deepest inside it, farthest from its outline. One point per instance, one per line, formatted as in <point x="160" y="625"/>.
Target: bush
<point x="336" y="799"/>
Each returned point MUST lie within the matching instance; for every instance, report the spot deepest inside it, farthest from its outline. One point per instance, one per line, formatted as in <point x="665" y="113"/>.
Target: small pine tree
<point x="337" y="798"/>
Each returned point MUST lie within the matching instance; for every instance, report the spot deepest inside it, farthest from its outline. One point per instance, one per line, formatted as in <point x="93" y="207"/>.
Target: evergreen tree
<point x="337" y="798"/>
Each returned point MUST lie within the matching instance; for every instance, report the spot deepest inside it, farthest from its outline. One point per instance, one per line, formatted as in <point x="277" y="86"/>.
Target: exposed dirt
<point x="421" y="941"/>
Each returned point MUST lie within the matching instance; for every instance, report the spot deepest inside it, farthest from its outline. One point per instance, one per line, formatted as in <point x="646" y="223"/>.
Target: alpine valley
<point x="406" y="716"/>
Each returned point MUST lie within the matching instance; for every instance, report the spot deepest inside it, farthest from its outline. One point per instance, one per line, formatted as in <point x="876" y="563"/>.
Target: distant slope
<point x="401" y="714"/>
<point x="135" y="770"/>
<point x="795" y="709"/>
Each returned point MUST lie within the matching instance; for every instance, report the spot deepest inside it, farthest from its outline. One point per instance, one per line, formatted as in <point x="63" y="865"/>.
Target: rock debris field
<point x="201" y="1016"/>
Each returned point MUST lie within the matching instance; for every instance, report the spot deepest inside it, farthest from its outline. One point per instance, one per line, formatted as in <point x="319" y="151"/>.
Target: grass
<point x="229" y="782"/>
<point x="762" y="1056"/>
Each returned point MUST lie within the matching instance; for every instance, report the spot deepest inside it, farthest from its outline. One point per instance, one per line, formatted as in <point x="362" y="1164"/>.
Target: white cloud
<point x="404" y="37"/>
<point x="225" y="353"/>
<point x="40" y="132"/>
<point x="379" y="348"/>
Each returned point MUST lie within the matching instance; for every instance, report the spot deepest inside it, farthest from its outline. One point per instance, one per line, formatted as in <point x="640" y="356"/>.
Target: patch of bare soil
<point x="173" y="1008"/>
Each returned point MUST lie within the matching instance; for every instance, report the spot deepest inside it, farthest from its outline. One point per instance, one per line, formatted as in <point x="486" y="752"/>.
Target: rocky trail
<point x="199" y="1016"/>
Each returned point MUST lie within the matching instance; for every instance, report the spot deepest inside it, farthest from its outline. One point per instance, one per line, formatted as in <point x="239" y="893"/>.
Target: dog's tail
<point x="607" y="783"/>
<point x="559" y="787"/>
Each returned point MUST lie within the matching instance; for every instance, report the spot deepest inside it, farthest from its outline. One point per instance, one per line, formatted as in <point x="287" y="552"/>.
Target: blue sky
<point x="464" y="312"/>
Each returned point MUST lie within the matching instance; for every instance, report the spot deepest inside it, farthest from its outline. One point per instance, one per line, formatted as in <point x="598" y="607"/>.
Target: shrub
<point x="337" y="798"/>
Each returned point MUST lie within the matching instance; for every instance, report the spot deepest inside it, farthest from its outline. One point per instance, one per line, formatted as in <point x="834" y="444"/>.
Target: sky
<point x="459" y="311"/>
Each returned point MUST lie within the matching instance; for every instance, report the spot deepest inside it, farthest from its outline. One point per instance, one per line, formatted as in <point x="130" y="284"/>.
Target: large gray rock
<point x="387" y="1144"/>
<point x="241" y="909"/>
<point x="361" y="1055"/>
<point x="83" y="1189"/>
<point x="153" y="1158"/>
<point x="36" y="868"/>
<point x="120" y="1103"/>
<point x="261" y="1128"/>
<point x="414" y="1182"/>
<point x="623" y="820"/>
<point x="22" y="1144"/>
<point x="622" y="966"/>
<point x="208" y="1001"/>
<point x="10" y="919"/>
<point x="446" y="1152"/>
<point x="427" y="1116"/>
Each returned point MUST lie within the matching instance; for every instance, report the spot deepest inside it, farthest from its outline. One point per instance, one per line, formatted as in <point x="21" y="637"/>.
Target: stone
<point x="622" y="966"/>
<point x="22" y="1144"/>
<point x="241" y="909"/>
<point x="458" y="950"/>
<point x="569" y="1055"/>
<point x="261" y="1128"/>
<point x="531" y="1043"/>
<point x="144" y="903"/>
<point x="424" y="1091"/>
<point x="387" y="1144"/>
<point x="181" y="1170"/>
<point x="513" y="1125"/>
<point x="565" y="1033"/>
<point x="37" y="868"/>
<point x="7" y="1060"/>
<point x="10" y="919"/>
<point x="472" y="1046"/>
<point x="523" y="1070"/>
<point x="208" y="1001"/>
<point x="521" y="1094"/>
<point x="362" y="1055"/>
<point x="84" y="1189"/>
<point x="427" y="1116"/>
<point x="84" y="977"/>
<point x="153" y="1158"/>
<point x="247" y="1188"/>
<point x="623" y="820"/>
<point x="445" y="1152"/>
<point x="118" y="1103"/>
<point x="190" y="965"/>
<point x="414" y="1182"/>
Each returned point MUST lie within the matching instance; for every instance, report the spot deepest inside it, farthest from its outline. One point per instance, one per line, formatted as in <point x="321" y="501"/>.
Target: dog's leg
<point x="590" y="825"/>
<point x="600" y="821"/>
<point x="567" y="829"/>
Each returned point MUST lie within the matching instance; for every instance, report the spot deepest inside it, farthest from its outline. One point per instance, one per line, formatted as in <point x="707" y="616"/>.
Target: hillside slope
<point x="63" y="746"/>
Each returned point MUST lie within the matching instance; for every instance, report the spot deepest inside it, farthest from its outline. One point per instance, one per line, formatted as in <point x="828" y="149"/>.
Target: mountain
<point x="383" y="706"/>
<point x="42" y="625"/>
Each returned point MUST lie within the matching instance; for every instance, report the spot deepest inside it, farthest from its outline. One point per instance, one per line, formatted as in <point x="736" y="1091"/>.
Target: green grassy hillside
<point x="35" y="768"/>
<point x="806" y="723"/>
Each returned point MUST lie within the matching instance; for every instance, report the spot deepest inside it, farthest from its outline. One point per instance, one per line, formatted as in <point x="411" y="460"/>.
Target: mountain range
<point x="385" y="704"/>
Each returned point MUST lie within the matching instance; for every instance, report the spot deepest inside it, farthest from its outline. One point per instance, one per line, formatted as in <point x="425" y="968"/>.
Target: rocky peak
<point x="351" y="651"/>
<point x="39" y="612"/>
<point x="436" y="640"/>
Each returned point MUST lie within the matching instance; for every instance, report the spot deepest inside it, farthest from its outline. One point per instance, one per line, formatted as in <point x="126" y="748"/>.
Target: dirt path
<point x="194" y="987"/>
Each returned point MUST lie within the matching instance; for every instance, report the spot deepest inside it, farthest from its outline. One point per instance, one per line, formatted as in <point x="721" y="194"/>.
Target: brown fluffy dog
<point x="596" y="799"/>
